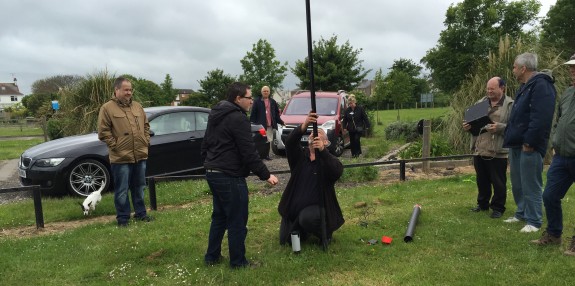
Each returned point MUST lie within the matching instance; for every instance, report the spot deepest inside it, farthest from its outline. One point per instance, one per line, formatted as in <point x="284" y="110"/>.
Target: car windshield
<point x="302" y="105"/>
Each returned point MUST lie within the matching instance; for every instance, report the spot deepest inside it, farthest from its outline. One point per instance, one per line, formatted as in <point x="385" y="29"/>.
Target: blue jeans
<point x="230" y="211"/>
<point x="526" y="185"/>
<point x="560" y="177"/>
<point x="133" y="177"/>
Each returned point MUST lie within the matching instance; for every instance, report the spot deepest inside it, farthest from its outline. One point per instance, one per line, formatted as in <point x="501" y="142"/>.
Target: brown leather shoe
<point x="546" y="239"/>
<point x="571" y="250"/>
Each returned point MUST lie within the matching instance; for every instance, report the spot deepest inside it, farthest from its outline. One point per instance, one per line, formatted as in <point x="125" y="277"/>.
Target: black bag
<point x="359" y="129"/>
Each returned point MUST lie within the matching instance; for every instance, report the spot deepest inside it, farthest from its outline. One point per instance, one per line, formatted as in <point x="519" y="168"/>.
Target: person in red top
<point x="265" y="111"/>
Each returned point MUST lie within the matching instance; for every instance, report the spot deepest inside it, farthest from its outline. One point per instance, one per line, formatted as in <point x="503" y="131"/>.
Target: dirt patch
<point x="392" y="176"/>
<point x="58" y="227"/>
<point x="54" y="227"/>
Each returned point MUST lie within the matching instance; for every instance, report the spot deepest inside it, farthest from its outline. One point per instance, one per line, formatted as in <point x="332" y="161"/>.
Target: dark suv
<point x="330" y="108"/>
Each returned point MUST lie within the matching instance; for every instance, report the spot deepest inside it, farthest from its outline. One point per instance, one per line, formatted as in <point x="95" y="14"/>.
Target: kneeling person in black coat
<point x="299" y="205"/>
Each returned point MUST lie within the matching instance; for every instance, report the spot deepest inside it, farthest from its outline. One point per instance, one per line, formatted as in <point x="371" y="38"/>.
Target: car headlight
<point x="49" y="162"/>
<point x="328" y="125"/>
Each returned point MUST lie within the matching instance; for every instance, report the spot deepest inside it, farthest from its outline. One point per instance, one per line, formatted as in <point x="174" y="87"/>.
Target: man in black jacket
<point x="299" y="205"/>
<point x="266" y="112"/>
<point x="230" y="155"/>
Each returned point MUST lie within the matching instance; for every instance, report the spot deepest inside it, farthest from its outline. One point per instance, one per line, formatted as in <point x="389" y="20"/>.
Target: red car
<point x="330" y="108"/>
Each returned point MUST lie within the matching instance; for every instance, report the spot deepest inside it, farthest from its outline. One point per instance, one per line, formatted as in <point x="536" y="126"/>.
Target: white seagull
<point x="92" y="199"/>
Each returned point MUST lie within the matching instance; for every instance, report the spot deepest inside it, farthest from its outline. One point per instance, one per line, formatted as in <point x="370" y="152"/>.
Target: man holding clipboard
<point x="490" y="160"/>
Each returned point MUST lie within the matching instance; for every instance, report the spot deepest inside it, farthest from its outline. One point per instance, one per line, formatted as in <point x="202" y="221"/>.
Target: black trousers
<point x="491" y="172"/>
<point x="355" y="143"/>
<point x="307" y="222"/>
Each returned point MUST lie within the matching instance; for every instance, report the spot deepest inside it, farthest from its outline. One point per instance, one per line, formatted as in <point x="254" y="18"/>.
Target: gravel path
<point x="9" y="179"/>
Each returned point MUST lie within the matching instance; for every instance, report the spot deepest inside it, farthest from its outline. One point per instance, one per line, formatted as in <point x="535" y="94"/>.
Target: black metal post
<point x="37" y="195"/>
<point x="402" y="170"/>
<point x="152" y="189"/>
<point x="315" y="134"/>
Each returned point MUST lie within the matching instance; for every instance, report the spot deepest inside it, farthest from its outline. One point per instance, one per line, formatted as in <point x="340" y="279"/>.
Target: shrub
<point x="359" y="174"/>
<point x="371" y="118"/>
<point x="439" y="147"/>
<point x="402" y="130"/>
<point x="55" y="128"/>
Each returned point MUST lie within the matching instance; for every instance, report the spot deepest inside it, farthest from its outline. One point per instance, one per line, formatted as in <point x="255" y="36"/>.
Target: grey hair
<point x="527" y="60"/>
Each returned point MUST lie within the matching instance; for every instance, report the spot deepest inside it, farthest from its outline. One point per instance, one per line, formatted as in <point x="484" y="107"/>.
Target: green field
<point x="12" y="149"/>
<point x="16" y="131"/>
<point x="413" y="114"/>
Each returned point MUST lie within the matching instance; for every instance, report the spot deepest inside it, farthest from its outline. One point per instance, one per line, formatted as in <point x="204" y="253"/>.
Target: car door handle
<point x="192" y="138"/>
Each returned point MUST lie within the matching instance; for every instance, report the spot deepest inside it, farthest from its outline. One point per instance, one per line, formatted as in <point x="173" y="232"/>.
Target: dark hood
<point x="222" y="109"/>
<point x="540" y="75"/>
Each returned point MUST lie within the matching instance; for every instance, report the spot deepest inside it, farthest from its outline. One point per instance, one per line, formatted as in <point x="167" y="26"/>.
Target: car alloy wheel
<point x="338" y="147"/>
<point x="275" y="150"/>
<point x="87" y="176"/>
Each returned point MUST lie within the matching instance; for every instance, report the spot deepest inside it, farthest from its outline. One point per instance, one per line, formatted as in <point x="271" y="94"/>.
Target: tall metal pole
<point x="313" y="109"/>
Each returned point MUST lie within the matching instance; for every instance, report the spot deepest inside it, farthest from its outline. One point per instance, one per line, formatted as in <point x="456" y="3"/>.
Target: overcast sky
<point x="188" y="38"/>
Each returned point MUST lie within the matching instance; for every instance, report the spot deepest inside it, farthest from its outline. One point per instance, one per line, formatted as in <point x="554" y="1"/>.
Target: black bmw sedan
<point x="79" y="164"/>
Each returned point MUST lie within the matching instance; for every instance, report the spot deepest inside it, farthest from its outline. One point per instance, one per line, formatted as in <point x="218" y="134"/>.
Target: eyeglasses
<point x="249" y="97"/>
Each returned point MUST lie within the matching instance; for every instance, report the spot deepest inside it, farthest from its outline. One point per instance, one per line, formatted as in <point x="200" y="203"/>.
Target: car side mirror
<point x="152" y="133"/>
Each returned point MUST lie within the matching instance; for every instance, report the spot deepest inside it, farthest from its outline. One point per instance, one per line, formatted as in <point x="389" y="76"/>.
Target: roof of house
<point x="365" y="83"/>
<point x="184" y="91"/>
<point x="9" y="89"/>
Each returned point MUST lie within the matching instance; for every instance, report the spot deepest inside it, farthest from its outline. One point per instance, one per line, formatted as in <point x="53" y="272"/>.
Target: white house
<point x="9" y="95"/>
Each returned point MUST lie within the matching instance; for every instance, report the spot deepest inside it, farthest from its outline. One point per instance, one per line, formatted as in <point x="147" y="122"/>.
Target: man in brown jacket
<point x="490" y="160"/>
<point x="123" y="126"/>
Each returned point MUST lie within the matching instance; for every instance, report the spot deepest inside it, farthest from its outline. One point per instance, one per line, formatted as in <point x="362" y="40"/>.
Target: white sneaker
<point x="511" y="220"/>
<point x="529" y="228"/>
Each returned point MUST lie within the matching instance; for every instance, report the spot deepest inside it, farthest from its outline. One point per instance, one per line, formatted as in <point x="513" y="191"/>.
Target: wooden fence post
<point x="426" y="144"/>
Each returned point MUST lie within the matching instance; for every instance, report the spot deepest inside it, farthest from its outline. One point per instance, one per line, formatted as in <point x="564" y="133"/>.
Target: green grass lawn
<point x="452" y="246"/>
<point x="12" y="149"/>
<point x="412" y="114"/>
<point x="21" y="131"/>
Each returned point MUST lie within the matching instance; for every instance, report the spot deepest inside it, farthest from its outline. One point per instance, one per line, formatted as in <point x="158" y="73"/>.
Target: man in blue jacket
<point x="526" y="136"/>
<point x="562" y="170"/>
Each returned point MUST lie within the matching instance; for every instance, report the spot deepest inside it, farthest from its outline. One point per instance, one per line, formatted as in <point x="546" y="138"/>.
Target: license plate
<point x="22" y="173"/>
<point x="304" y="138"/>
